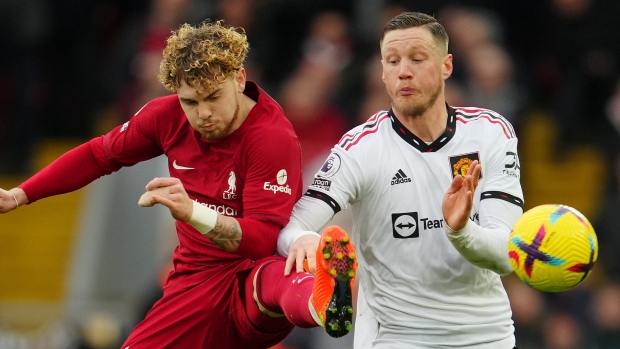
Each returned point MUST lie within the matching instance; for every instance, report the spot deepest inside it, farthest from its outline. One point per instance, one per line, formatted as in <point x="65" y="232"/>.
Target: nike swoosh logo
<point x="179" y="167"/>
<point x="299" y="280"/>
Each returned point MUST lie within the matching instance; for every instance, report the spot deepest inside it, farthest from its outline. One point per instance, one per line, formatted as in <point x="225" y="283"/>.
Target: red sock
<point x="286" y="295"/>
<point x="257" y="318"/>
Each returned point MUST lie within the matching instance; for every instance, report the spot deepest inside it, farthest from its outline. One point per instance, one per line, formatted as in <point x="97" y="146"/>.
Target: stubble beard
<point x="218" y="134"/>
<point x="415" y="109"/>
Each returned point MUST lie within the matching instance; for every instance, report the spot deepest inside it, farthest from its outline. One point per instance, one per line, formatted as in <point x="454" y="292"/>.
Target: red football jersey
<point x="254" y="172"/>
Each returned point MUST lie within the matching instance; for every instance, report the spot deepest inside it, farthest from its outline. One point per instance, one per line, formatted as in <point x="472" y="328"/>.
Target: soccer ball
<point x="552" y="248"/>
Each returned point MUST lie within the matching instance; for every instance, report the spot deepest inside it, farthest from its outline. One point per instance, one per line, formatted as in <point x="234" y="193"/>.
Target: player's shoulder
<point x="162" y="107"/>
<point x="266" y="114"/>
<point x="484" y="120"/>
<point x="267" y="124"/>
<point x="367" y="134"/>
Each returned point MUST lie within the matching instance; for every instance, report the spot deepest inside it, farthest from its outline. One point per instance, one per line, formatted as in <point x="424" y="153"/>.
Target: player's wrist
<point x="203" y="218"/>
<point x="451" y="231"/>
<point x="19" y="196"/>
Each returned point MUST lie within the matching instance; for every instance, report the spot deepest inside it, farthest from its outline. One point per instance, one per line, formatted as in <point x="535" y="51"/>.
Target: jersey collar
<point x="419" y="144"/>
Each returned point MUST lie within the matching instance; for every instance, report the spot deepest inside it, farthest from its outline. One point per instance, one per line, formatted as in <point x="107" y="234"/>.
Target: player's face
<point x="214" y="113"/>
<point x="414" y="70"/>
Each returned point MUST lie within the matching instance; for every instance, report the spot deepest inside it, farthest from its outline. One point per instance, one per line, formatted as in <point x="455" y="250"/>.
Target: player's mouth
<point x="208" y="127"/>
<point x="406" y="91"/>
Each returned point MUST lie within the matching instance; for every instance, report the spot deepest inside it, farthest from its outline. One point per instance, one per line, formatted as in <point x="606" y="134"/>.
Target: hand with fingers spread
<point x="170" y="193"/>
<point x="458" y="201"/>
<point x="303" y="249"/>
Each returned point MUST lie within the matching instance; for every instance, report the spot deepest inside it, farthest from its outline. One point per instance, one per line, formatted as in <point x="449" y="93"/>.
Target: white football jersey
<point x="422" y="292"/>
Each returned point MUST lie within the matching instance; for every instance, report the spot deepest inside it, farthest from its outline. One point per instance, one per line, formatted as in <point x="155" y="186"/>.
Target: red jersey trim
<point x="465" y="115"/>
<point x="371" y="126"/>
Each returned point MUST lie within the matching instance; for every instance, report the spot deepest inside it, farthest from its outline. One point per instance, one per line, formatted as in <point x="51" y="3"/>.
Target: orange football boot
<point x="332" y="294"/>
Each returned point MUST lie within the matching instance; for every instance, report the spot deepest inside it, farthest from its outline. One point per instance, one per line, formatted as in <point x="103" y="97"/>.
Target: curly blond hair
<point x="202" y="56"/>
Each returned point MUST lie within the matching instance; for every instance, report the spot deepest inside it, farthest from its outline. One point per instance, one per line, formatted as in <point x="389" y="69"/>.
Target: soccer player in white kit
<point x="434" y="192"/>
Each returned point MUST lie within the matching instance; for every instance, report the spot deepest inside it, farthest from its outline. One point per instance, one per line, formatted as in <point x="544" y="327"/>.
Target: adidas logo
<point x="400" y="177"/>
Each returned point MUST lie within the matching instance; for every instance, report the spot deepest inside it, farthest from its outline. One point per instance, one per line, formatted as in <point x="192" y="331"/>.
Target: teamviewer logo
<point x="405" y="225"/>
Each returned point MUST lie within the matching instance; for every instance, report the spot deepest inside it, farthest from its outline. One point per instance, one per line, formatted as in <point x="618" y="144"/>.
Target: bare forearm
<point x="226" y="233"/>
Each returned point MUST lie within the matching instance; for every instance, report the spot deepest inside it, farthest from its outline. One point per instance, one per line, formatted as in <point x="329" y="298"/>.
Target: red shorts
<point x="205" y="309"/>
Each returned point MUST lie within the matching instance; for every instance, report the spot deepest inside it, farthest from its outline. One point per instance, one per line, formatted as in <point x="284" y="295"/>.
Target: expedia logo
<point x="277" y="188"/>
<point x="460" y="164"/>
<point x="281" y="178"/>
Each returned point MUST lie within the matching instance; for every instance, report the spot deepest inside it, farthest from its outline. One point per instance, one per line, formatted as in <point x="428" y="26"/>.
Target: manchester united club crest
<point x="460" y="164"/>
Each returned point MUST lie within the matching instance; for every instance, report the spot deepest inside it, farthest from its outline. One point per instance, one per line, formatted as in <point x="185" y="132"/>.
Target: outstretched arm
<point x="482" y="245"/>
<point x="53" y="179"/>
<point x="226" y="232"/>
<point x="10" y="200"/>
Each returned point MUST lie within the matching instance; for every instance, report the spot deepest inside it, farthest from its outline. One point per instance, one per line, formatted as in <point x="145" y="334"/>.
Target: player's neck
<point x="245" y="106"/>
<point x="429" y="125"/>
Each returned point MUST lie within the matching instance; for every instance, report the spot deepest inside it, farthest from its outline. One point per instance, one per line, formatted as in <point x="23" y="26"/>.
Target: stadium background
<point x="78" y="271"/>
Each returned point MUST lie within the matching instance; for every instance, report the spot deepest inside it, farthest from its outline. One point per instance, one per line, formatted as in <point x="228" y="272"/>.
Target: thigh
<point x="206" y="314"/>
<point x="193" y="316"/>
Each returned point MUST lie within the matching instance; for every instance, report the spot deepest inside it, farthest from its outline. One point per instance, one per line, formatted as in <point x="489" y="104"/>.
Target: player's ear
<point x="447" y="66"/>
<point x="240" y="79"/>
<point x="382" y="72"/>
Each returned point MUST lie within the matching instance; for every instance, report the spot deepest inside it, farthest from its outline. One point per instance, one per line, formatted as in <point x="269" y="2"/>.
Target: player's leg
<point x="308" y="301"/>
<point x="275" y="296"/>
<point x="190" y="314"/>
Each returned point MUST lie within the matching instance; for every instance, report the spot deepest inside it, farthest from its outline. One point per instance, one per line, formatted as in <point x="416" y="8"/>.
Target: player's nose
<point x="204" y="112"/>
<point x="405" y="71"/>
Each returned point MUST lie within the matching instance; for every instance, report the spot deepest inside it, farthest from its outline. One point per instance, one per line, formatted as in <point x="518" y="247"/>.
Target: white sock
<point x="313" y="312"/>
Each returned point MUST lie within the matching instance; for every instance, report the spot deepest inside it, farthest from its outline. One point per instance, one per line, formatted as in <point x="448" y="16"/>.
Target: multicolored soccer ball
<point x="552" y="248"/>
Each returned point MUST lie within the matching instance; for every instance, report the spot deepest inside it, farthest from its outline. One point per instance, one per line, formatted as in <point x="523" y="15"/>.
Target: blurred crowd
<point x="75" y="69"/>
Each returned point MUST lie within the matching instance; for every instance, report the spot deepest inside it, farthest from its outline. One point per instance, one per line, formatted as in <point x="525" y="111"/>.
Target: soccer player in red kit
<point x="235" y="167"/>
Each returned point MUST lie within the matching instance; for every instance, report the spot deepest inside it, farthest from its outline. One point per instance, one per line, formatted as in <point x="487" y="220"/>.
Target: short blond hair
<point x="202" y="56"/>
<point x="407" y="20"/>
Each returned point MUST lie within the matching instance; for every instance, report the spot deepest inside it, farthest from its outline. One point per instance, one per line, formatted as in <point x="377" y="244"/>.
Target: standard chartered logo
<point x="221" y="209"/>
